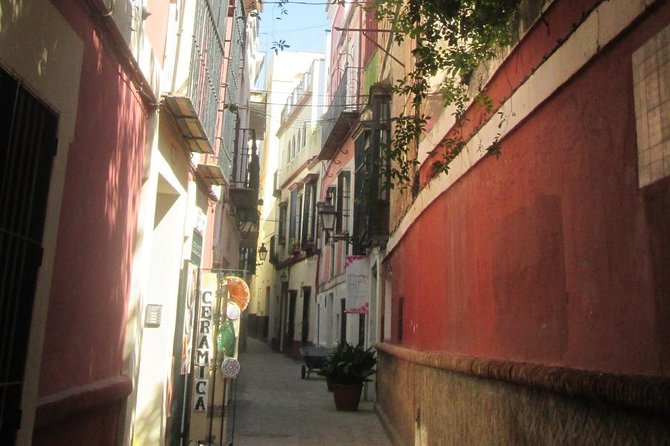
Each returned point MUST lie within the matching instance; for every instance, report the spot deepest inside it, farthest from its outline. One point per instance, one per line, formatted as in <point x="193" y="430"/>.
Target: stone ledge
<point x="631" y="391"/>
<point x="58" y="406"/>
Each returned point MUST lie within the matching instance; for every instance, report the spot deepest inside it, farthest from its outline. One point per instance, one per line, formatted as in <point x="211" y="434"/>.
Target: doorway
<point x="290" y="326"/>
<point x="306" y="297"/>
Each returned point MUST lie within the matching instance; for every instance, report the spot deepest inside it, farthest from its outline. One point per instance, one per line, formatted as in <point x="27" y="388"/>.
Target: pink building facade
<point x="105" y="189"/>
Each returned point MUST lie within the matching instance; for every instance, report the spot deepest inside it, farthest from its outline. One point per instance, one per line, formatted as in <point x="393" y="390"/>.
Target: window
<point x="343" y="202"/>
<point x="371" y="213"/>
<point x="282" y="223"/>
<point x="331" y="195"/>
<point x="291" y="215"/>
<point x="276" y="192"/>
<point x="380" y="162"/>
<point x="361" y="186"/>
<point x="295" y="216"/>
<point x="651" y="76"/>
<point x="272" y="254"/>
<point x="309" y="213"/>
<point x="298" y="215"/>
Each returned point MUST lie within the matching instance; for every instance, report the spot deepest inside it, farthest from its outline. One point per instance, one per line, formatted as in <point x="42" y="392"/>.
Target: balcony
<point x="245" y="179"/>
<point x="211" y="174"/>
<point x="194" y="105"/>
<point x="297" y="97"/>
<point x="342" y="113"/>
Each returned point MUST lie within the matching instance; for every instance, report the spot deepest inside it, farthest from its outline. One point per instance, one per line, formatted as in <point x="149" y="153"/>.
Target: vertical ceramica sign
<point x="204" y="342"/>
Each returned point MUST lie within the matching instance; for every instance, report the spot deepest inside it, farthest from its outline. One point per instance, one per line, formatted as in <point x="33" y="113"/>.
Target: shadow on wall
<point x="98" y="225"/>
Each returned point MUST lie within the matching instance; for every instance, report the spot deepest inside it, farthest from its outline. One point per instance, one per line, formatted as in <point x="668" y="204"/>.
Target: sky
<point x="303" y="27"/>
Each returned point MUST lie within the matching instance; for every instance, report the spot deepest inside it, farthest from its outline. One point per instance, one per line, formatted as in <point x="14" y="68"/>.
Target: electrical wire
<point x="283" y="31"/>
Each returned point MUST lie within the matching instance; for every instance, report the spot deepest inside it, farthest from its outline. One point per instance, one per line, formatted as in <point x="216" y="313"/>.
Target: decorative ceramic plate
<point x="239" y="291"/>
<point x="230" y="367"/>
<point x="233" y="311"/>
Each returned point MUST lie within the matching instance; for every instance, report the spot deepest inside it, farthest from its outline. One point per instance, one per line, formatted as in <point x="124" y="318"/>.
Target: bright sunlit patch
<point x="14" y="11"/>
<point x="44" y="60"/>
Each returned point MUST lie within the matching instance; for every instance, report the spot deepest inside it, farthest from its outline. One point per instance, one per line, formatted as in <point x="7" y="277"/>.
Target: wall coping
<point x="651" y="393"/>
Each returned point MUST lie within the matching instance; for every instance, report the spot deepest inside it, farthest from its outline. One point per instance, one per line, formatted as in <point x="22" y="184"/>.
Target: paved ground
<point x="274" y="406"/>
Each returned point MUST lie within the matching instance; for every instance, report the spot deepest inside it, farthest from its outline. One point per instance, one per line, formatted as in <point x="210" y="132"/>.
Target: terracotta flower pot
<point x="347" y="396"/>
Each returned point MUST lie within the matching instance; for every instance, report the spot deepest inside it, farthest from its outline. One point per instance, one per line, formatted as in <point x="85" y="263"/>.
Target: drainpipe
<point x="316" y="293"/>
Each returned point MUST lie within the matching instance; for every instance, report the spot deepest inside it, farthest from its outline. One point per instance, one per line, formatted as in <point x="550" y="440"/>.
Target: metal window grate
<point x="27" y="145"/>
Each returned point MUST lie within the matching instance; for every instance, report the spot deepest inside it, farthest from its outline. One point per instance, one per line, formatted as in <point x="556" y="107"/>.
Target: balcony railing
<point x="301" y="90"/>
<point x="196" y="107"/>
<point x="246" y="166"/>
<point x="341" y="113"/>
<point x="245" y="178"/>
<point x="235" y="54"/>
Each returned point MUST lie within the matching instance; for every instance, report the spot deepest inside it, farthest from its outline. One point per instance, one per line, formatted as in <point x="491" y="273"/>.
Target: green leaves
<point x="279" y="45"/>
<point x="452" y="36"/>
<point x="349" y="364"/>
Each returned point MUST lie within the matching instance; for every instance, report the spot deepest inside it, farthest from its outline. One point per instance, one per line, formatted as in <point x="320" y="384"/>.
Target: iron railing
<point x="345" y="99"/>
<point x="233" y="82"/>
<point x="246" y="169"/>
<point x="206" y="61"/>
<point x="301" y="90"/>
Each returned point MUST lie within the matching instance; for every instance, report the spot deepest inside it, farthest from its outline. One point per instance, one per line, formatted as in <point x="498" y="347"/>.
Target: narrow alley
<point x="467" y="199"/>
<point x="274" y="406"/>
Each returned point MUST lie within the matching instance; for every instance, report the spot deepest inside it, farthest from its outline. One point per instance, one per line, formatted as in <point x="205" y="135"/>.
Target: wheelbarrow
<point x="314" y="358"/>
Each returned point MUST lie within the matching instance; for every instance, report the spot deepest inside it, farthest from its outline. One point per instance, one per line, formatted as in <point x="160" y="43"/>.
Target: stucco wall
<point x="551" y="253"/>
<point x="48" y="64"/>
<point x="87" y="308"/>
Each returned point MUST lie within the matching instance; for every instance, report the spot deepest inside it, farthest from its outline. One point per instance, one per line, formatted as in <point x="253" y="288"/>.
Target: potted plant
<point x="346" y="369"/>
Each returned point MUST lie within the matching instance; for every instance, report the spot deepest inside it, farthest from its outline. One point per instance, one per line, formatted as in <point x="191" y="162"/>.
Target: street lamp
<point x="328" y="218"/>
<point x="327" y="215"/>
<point x="262" y="252"/>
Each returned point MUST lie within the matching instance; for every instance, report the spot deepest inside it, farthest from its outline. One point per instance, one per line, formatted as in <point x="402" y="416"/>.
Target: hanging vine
<point x="453" y="37"/>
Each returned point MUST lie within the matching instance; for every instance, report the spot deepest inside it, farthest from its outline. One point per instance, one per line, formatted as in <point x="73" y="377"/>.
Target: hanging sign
<point x="357" y="301"/>
<point x="203" y="351"/>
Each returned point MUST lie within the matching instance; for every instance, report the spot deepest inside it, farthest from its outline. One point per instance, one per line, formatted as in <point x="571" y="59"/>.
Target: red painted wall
<point x="91" y="279"/>
<point x="550" y="254"/>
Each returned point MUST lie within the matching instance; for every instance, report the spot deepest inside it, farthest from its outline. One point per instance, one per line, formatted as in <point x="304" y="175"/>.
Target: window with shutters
<point x="309" y="214"/>
<point x="343" y="202"/>
<point x="281" y="231"/>
<point x="371" y="212"/>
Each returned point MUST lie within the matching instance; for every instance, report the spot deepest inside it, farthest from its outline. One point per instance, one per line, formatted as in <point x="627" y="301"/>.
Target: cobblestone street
<point x="274" y="406"/>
